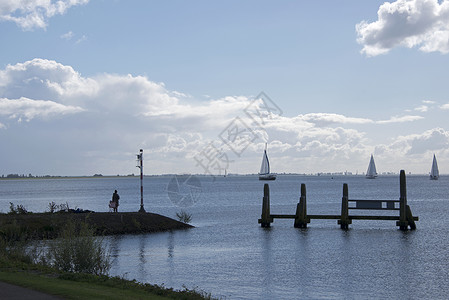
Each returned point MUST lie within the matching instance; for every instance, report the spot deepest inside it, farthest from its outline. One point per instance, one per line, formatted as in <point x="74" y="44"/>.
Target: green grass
<point x="73" y="289"/>
<point x="44" y="273"/>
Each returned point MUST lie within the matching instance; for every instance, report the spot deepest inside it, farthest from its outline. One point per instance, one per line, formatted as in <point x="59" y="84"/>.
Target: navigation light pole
<point x="140" y="165"/>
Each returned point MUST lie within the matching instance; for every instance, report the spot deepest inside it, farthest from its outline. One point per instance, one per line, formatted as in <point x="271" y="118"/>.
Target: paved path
<point x="10" y="291"/>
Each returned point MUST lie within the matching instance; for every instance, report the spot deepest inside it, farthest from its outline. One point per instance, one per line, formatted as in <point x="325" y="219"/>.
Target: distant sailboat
<point x="371" y="173"/>
<point x="264" y="173"/>
<point x="434" y="173"/>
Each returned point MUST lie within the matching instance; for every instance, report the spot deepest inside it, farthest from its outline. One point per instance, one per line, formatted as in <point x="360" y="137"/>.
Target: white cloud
<point x="31" y="14"/>
<point x="422" y="108"/>
<point x="402" y="119"/>
<point x="30" y="109"/>
<point x="111" y="93"/>
<point x="81" y="39"/>
<point x="67" y="36"/>
<point x="445" y="106"/>
<point x="428" y="102"/>
<point x="429" y="141"/>
<point x="407" y="23"/>
<point x="327" y="118"/>
<point x="44" y="79"/>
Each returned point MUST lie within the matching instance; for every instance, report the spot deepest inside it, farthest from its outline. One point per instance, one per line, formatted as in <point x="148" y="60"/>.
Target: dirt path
<point x="10" y="291"/>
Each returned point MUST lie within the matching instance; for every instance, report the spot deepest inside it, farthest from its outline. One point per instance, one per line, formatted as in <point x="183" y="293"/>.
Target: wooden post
<point x="410" y="220"/>
<point x="266" y="217"/>
<point x="344" y="220"/>
<point x="402" y="223"/>
<point x="301" y="218"/>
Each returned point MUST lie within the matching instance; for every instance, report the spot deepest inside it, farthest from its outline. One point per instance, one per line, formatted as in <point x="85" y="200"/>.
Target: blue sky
<point x="85" y="84"/>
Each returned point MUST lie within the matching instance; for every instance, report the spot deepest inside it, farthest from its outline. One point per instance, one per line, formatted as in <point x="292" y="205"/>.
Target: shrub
<point x="77" y="250"/>
<point x="183" y="216"/>
<point x="64" y="207"/>
<point x="13" y="243"/>
<point x="19" y="209"/>
<point x="53" y="207"/>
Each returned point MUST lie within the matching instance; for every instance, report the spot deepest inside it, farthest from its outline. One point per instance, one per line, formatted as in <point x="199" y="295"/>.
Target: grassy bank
<point x="69" y="289"/>
<point x="49" y="225"/>
<point x="86" y="286"/>
<point x="75" y="266"/>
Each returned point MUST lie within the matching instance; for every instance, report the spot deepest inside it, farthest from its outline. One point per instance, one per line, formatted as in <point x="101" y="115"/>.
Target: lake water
<point x="229" y="255"/>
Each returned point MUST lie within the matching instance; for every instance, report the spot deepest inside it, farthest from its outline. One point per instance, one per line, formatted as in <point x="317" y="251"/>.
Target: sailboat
<point x="264" y="173"/>
<point x="371" y="173"/>
<point x="434" y="173"/>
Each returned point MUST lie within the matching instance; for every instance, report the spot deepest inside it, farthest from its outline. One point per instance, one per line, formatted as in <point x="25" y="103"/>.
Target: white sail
<point x="371" y="173"/>
<point x="434" y="173"/>
<point x="265" y="167"/>
<point x="264" y="173"/>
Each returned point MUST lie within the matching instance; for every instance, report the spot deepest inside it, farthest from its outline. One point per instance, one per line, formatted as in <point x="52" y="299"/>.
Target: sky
<point x="203" y="86"/>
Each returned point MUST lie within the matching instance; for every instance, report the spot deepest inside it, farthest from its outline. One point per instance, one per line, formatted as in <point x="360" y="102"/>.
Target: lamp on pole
<point x="140" y="165"/>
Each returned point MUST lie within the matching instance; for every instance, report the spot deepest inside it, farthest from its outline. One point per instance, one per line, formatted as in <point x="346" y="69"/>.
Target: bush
<point x="64" y="207"/>
<point x="183" y="216"/>
<point x="77" y="250"/>
<point x="13" y="243"/>
<point x="52" y="207"/>
<point x="19" y="209"/>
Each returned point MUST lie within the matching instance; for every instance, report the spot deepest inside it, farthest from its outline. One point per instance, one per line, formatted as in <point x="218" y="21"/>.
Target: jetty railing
<point x="404" y="220"/>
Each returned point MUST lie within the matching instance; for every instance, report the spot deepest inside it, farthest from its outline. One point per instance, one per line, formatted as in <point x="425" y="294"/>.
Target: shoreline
<point x="48" y="225"/>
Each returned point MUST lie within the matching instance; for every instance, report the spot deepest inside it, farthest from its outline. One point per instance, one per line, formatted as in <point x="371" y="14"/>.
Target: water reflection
<point x="348" y="258"/>
<point x="142" y="256"/>
<point x="171" y="257"/>
<point x="268" y="266"/>
<point x="303" y="260"/>
<point x="114" y="248"/>
<point x="171" y="244"/>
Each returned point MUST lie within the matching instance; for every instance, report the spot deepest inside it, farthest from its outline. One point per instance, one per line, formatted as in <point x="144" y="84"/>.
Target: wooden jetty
<point x="404" y="220"/>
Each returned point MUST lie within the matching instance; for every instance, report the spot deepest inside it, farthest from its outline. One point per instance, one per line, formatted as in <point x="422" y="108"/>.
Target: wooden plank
<point x="368" y="204"/>
<point x="377" y="218"/>
<point x="374" y="204"/>
<point x="324" y="217"/>
<point x="383" y="208"/>
<point x="390" y="205"/>
<point x="374" y="200"/>
<point x="337" y="217"/>
<point x="360" y="217"/>
<point x="283" y="216"/>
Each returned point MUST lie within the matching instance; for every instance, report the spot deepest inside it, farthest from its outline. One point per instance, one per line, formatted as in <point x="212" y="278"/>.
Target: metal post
<point x="140" y="159"/>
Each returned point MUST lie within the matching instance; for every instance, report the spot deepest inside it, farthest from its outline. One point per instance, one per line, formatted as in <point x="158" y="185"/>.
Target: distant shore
<point x="48" y="225"/>
<point x="322" y="174"/>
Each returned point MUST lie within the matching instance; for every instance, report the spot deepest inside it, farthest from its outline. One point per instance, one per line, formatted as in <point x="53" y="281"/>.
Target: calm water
<point x="231" y="256"/>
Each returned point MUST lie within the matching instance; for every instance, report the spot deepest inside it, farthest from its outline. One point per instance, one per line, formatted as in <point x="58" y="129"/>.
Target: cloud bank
<point x="407" y="23"/>
<point x="34" y="14"/>
<point x="69" y="124"/>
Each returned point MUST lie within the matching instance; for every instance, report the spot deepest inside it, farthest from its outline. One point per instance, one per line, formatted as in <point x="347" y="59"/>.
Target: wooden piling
<point x="410" y="219"/>
<point x="301" y="218"/>
<point x="402" y="223"/>
<point x="404" y="220"/>
<point x="266" y="219"/>
<point x="344" y="220"/>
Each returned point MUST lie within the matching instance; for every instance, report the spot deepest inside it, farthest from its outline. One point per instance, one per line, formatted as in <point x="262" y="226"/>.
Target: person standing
<point x="115" y="199"/>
